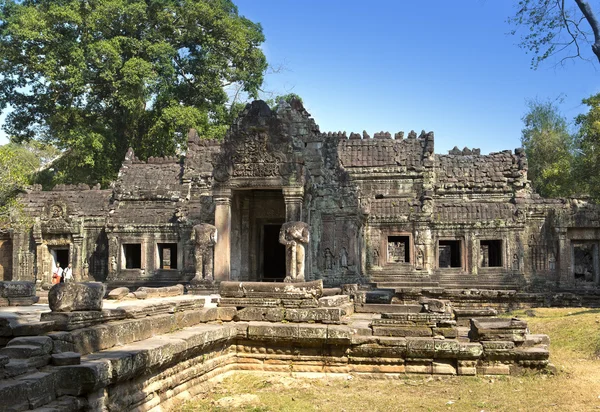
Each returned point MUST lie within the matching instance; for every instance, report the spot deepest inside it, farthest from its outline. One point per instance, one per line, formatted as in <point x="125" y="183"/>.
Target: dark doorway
<point x="449" y="254"/>
<point x="61" y="256"/>
<point x="490" y="253"/>
<point x="273" y="255"/>
<point x="133" y="255"/>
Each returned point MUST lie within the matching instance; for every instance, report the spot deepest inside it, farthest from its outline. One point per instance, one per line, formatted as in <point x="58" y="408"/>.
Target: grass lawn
<point x="575" y="350"/>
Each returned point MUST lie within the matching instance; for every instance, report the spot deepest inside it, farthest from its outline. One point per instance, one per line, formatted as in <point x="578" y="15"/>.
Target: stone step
<point x="407" y="284"/>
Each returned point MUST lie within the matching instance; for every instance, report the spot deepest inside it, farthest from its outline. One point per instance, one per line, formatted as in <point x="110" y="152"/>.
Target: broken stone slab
<point x="332" y="291"/>
<point x="323" y="315"/>
<point x="82" y="319"/>
<point x="249" y="302"/>
<point x="296" y="290"/>
<point x="433" y="305"/>
<point x="16" y="289"/>
<point x="166" y="291"/>
<point x="32" y="328"/>
<point x="386" y="308"/>
<point x="333" y="301"/>
<point x="140" y="294"/>
<point x="118" y="293"/>
<point x="260" y="314"/>
<point x="23" y="301"/>
<point x="66" y="358"/>
<point x="498" y="329"/>
<point x="72" y="296"/>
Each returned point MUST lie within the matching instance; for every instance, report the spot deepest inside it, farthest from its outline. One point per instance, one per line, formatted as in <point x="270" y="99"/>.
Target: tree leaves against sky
<point x="96" y="76"/>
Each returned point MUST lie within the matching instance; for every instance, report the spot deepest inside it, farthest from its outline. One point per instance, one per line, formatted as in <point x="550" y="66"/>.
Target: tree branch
<point x="587" y="11"/>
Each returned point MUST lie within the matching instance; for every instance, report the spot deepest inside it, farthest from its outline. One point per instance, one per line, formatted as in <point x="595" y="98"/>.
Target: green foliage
<point x="589" y="146"/>
<point x="95" y="77"/>
<point x="273" y="103"/>
<point x="550" y="151"/>
<point x="18" y="165"/>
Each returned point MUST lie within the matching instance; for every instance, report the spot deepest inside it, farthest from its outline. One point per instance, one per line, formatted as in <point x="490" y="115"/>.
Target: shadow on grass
<point x="584" y="312"/>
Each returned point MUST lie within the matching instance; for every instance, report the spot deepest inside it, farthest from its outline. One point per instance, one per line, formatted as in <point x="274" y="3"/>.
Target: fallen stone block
<point x="297" y="290"/>
<point x="226" y="314"/>
<point x="15" y="289"/>
<point x="407" y="331"/>
<point x="162" y="292"/>
<point x="333" y="301"/>
<point x="118" y="293"/>
<point x="71" y="296"/>
<point x="40" y="388"/>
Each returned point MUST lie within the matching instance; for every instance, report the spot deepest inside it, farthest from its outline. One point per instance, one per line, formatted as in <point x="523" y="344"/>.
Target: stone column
<point x="222" y="263"/>
<point x="293" y="197"/>
<point x="565" y="271"/>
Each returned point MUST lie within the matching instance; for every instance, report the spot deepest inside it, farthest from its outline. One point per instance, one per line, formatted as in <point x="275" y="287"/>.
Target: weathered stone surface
<point x="333" y="301"/>
<point x="66" y="358"/>
<point x="82" y="319"/>
<point x="17" y="289"/>
<point x="386" y="308"/>
<point x="296" y="290"/>
<point x="161" y="292"/>
<point x="71" y="296"/>
<point x="118" y="293"/>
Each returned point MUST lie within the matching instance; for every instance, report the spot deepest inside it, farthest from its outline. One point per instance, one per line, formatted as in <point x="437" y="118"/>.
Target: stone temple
<point x="383" y="210"/>
<point x="331" y="254"/>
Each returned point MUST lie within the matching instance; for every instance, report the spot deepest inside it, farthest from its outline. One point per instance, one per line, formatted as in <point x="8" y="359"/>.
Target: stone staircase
<point x="406" y="280"/>
<point x="493" y="281"/>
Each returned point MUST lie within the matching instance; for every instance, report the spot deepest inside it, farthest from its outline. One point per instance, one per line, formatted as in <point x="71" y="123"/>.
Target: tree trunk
<point x="589" y="15"/>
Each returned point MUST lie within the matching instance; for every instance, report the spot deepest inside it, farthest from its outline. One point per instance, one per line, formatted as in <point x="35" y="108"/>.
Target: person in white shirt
<point x="67" y="274"/>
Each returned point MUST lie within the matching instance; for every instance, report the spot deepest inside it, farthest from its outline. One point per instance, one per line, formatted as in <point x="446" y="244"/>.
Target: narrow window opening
<point x="133" y="255"/>
<point x="167" y="255"/>
<point x="449" y="254"/>
<point x="398" y="249"/>
<point x="490" y="253"/>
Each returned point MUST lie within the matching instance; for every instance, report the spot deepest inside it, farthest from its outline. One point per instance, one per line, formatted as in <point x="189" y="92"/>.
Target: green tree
<point x="589" y="145"/>
<point x="557" y="27"/>
<point x="550" y="149"/>
<point x="94" y="77"/>
<point x="18" y="167"/>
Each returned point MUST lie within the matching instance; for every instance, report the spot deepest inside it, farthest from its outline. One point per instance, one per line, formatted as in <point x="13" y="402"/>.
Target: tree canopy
<point x="98" y="76"/>
<point x="588" y="141"/>
<point x="561" y="28"/>
<point x="550" y="149"/>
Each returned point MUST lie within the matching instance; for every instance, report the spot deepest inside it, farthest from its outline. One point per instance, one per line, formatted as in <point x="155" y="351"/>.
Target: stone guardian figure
<point x="295" y="236"/>
<point x="204" y="237"/>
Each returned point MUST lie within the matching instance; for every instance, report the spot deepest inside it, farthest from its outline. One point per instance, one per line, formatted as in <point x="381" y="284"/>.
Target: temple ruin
<point x="385" y="210"/>
<point x="330" y="254"/>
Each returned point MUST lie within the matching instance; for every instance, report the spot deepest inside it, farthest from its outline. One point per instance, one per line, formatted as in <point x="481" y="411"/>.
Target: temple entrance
<point x="273" y="254"/>
<point x="6" y="251"/>
<point x="61" y="256"/>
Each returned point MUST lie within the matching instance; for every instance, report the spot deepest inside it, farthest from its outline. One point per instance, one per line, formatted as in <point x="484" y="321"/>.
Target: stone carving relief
<point x="205" y="238"/>
<point x="295" y="236"/>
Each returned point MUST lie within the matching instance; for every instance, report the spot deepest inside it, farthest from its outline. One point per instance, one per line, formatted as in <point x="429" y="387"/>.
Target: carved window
<point x="584" y="261"/>
<point x="167" y="255"/>
<point x="449" y="254"/>
<point x="398" y="249"/>
<point x="490" y="253"/>
<point x="132" y="252"/>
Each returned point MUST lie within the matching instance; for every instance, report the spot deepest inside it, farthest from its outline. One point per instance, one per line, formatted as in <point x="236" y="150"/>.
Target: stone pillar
<point x="565" y="271"/>
<point x="222" y="268"/>
<point x="293" y="197"/>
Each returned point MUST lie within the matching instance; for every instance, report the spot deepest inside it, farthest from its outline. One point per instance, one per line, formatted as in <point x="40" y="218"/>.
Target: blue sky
<point x="398" y="65"/>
